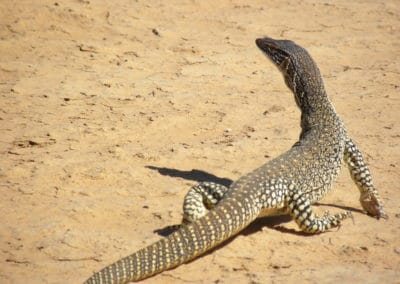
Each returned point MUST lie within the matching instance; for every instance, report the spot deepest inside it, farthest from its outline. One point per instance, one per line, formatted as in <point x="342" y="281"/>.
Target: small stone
<point x="155" y="32"/>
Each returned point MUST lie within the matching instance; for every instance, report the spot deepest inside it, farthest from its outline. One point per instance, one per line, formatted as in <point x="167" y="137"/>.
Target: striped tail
<point x="183" y="245"/>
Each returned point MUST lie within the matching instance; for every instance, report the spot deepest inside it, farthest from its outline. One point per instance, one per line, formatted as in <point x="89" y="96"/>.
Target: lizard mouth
<point x="266" y="44"/>
<point x="271" y="48"/>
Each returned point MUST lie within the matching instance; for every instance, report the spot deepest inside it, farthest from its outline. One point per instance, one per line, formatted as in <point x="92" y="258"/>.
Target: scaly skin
<point x="288" y="184"/>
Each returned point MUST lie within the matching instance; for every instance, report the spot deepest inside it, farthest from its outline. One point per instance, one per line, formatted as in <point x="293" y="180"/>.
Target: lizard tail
<point x="188" y="242"/>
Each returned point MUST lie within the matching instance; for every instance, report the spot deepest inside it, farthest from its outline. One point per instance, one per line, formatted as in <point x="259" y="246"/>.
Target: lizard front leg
<point x="369" y="196"/>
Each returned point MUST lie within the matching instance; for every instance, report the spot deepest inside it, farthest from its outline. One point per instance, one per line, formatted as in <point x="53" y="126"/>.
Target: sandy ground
<point x="109" y="112"/>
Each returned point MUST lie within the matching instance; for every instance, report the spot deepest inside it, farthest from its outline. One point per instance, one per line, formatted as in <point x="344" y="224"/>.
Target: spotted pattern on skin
<point x="200" y="199"/>
<point x="300" y="210"/>
<point x="290" y="183"/>
<point x="359" y="172"/>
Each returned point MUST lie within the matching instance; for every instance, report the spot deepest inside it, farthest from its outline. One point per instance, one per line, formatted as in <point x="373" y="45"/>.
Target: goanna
<point x="288" y="184"/>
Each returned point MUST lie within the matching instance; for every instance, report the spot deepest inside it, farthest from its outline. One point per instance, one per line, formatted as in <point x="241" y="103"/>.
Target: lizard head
<point x="277" y="50"/>
<point x="298" y="68"/>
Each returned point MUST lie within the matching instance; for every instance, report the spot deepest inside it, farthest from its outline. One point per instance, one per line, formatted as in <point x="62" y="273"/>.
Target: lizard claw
<point x="373" y="205"/>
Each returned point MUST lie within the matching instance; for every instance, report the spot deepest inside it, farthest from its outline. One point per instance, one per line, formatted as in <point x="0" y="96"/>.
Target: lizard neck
<point x="317" y="111"/>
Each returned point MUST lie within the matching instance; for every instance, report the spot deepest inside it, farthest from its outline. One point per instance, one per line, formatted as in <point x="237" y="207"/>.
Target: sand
<point x="111" y="110"/>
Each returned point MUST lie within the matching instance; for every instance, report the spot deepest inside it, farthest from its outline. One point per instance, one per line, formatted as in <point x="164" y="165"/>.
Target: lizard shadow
<point x="271" y="222"/>
<point x="195" y="175"/>
<point x="345" y="208"/>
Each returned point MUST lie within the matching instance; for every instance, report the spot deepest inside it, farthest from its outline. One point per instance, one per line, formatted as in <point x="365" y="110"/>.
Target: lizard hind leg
<point x="200" y="199"/>
<point x="301" y="211"/>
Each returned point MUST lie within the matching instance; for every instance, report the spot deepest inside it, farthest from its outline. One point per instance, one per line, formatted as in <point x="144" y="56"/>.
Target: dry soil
<point x="111" y="110"/>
